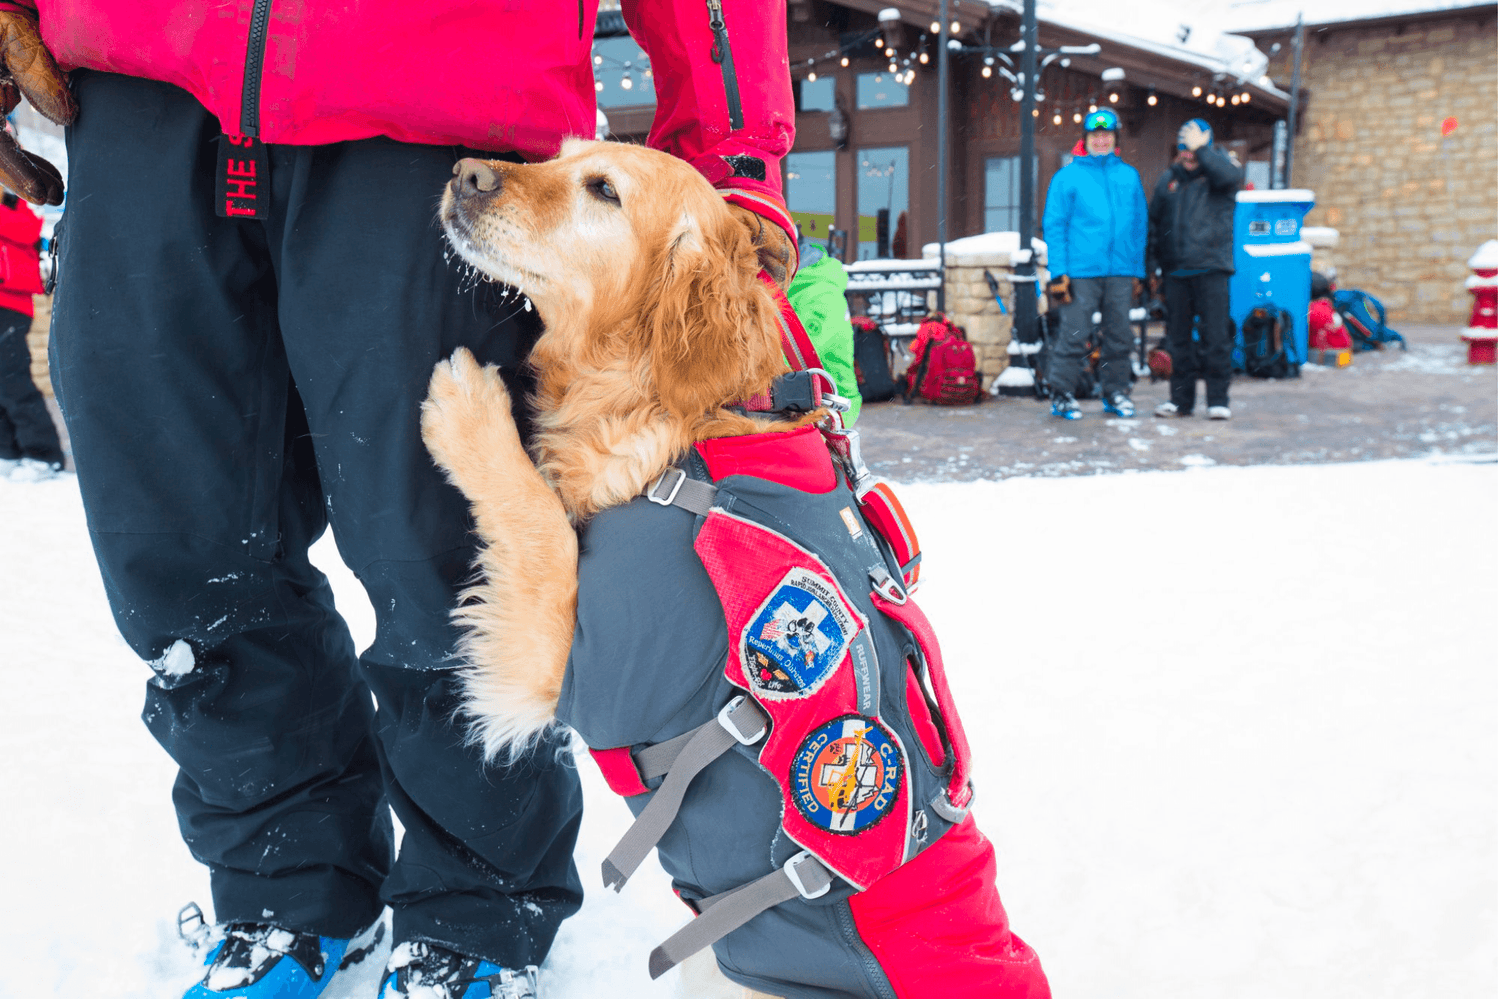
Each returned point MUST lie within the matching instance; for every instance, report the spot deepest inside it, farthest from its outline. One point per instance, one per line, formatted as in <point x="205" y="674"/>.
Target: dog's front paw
<point x="466" y="418"/>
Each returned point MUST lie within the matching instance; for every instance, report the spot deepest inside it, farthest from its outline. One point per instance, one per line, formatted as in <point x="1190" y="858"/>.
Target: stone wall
<point x="36" y="339"/>
<point x="1411" y="203"/>
<point x="971" y="306"/>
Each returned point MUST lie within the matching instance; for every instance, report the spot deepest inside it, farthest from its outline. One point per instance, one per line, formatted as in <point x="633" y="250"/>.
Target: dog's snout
<point x="474" y="177"/>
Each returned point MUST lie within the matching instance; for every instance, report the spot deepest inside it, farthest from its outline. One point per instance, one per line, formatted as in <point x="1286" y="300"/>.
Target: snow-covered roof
<point x="1190" y="31"/>
<point x="1003" y="244"/>
<point x="1263" y="15"/>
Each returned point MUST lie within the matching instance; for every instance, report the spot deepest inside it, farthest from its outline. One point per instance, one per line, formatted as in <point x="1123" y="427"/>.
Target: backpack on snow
<point x="872" y="361"/>
<point x="1268" y="344"/>
<point x="943" y="368"/>
<point x="1364" y="317"/>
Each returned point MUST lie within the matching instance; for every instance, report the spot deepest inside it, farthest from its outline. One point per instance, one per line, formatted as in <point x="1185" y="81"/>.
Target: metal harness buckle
<point x="790" y="867"/>
<point x="732" y="729"/>
<point x="672" y="495"/>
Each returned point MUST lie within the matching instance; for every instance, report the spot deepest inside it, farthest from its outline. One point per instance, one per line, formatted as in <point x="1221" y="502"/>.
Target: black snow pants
<point x="1206" y="297"/>
<point x="232" y="387"/>
<point x="26" y="429"/>
<point x="1110" y="297"/>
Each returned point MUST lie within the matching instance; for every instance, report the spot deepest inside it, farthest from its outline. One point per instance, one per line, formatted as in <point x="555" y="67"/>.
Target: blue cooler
<point x="1272" y="263"/>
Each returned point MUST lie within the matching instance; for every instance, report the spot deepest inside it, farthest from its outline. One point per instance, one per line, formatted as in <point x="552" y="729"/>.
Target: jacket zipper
<point x="255" y="57"/>
<point x="725" y="59"/>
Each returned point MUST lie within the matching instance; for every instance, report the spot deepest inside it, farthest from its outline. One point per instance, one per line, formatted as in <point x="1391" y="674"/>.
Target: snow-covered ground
<point x="1235" y="729"/>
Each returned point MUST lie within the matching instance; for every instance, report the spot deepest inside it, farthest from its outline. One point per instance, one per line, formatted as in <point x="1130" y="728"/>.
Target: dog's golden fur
<point x="655" y="322"/>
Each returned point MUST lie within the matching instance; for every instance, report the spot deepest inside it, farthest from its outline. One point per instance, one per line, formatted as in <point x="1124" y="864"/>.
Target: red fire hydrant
<point x="1481" y="284"/>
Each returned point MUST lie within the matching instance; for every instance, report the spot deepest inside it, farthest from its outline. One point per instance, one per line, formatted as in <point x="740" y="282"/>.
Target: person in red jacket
<point x="251" y="296"/>
<point x="26" y="431"/>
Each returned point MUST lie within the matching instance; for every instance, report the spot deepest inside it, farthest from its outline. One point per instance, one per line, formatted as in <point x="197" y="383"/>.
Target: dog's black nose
<point x="474" y="177"/>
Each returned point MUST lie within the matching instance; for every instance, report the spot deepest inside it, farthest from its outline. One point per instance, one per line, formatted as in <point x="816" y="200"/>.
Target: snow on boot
<point x="260" y="961"/>
<point x="1120" y="405"/>
<point x="1218" y="412"/>
<point x="427" y="971"/>
<point x="1066" y="407"/>
<point x="1170" y="409"/>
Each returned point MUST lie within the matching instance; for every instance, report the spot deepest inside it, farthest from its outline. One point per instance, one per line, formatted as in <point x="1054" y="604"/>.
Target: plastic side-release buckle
<point x="817" y="871"/>
<point x="730" y="715"/>
<point x="829" y="397"/>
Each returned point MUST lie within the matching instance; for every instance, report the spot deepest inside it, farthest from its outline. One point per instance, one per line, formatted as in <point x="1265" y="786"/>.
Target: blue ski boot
<point x="1066" y="407"/>
<point x="260" y="961"/>
<point x="428" y="971"/>
<point x="1120" y="405"/>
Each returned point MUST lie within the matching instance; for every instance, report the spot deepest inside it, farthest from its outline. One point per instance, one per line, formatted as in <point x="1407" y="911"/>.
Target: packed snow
<point x="1235" y="733"/>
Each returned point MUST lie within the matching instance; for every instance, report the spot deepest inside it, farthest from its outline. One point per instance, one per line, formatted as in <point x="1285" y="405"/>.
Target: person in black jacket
<point x="1190" y="255"/>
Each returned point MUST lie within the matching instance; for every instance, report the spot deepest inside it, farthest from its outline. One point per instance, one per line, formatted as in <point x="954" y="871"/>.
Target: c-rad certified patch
<point x="847" y="774"/>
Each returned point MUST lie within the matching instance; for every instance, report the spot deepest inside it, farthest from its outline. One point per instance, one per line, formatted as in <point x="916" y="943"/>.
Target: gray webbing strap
<point x="674" y="488"/>
<point x="742" y="721"/>
<point x="654" y="761"/>
<point x="803" y="875"/>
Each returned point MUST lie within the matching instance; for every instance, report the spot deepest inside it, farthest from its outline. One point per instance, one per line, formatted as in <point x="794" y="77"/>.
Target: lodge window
<point x="880" y="90"/>
<point x="815" y="95"/>
<point x="882" y="194"/>
<point x="811" y="192"/>
<point x="1002" y="193"/>
<point x="622" y="73"/>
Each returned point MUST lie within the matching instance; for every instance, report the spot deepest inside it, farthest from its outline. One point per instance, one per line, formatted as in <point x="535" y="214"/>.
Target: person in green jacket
<point x="817" y="296"/>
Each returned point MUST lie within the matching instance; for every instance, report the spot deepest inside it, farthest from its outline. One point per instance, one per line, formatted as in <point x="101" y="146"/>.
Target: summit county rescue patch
<point x="798" y="637"/>
<point x="846" y="775"/>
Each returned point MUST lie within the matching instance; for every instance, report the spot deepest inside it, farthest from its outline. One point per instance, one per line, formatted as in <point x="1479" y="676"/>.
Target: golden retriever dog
<point x="655" y="323"/>
<point x="657" y="326"/>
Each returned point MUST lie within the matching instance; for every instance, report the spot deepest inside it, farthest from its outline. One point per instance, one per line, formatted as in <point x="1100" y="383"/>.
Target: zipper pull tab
<point x="716" y="25"/>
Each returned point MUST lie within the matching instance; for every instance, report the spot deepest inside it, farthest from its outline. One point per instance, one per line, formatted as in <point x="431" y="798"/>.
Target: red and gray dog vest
<point x="751" y="673"/>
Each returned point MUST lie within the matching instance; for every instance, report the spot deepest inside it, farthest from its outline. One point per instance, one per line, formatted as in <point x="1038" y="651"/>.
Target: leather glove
<point x="773" y="246"/>
<point x="1060" y="289"/>
<point x="1192" y="137"/>
<point x="26" y="67"/>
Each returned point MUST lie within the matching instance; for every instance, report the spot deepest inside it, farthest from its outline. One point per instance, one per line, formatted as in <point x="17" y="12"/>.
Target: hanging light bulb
<point x="956" y="28"/>
<point x="911" y="75"/>
<point x="1114" y="98"/>
<point x="812" y="77"/>
<point x="879" y="42"/>
<point x="844" y="61"/>
<point x="894" y="67"/>
<point x="890" y="53"/>
<point x="1245" y="97"/>
<point x="598" y="85"/>
<point x="922" y="58"/>
<point x="598" y="60"/>
<point x="1036" y="112"/>
<point x="1093" y="107"/>
<point x="1057" y="118"/>
<point x="1197" y="91"/>
<point x="936" y="27"/>
<point x="1077" y="117"/>
<point x="626" y="82"/>
<point x="985" y="72"/>
<point x="1151" y="98"/>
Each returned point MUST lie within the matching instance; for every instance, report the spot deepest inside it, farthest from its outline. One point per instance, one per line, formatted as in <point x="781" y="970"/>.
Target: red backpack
<point x="942" y="368"/>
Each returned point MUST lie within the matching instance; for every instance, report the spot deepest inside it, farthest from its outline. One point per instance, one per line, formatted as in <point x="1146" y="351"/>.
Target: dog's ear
<point x="711" y="327"/>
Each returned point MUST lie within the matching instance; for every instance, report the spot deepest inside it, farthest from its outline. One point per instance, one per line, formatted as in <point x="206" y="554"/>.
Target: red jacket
<point x="20" y="274"/>
<point x="499" y="75"/>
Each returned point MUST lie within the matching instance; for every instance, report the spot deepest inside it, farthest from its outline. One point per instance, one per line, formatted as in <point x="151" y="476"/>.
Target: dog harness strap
<point x="795" y="343"/>
<point x="724" y="913"/>
<point x="675" y="487"/>
<point x="739" y="721"/>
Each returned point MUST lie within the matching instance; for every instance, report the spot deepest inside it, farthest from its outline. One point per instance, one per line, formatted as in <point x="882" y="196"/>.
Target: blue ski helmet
<point x="1203" y="125"/>
<point x="1103" y="120"/>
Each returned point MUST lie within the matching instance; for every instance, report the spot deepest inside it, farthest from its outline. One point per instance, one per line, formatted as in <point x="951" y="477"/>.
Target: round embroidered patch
<point x="847" y="774"/>
<point x="799" y="635"/>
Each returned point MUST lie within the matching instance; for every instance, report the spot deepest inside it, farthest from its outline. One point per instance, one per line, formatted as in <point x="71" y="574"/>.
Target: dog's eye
<point x="603" y="190"/>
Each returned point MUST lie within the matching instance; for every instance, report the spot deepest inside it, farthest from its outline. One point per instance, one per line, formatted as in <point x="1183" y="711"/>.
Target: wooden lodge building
<point x="863" y="172"/>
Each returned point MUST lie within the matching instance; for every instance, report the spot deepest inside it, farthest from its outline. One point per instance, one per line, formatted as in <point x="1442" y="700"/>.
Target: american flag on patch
<point x="772" y="631"/>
